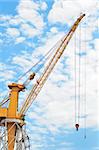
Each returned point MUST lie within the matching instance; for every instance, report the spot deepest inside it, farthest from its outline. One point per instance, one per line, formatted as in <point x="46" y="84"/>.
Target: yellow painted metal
<point x="3" y="115"/>
<point x="3" y="112"/>
<point x="13" y="105"/>
<point x="12" y="112"/>
<point x="11" y="129"/>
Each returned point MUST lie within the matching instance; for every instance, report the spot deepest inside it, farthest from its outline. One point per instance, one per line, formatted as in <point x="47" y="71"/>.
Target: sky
<point x="28" y="29"/>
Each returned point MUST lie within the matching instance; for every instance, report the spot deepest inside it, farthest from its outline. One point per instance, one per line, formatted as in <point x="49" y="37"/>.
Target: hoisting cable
<point x="78" y="82"/>
<point x="26" y="82"/>
<point x="75" y="78"/>
<point x="79" y="73"/>
<point x="43" y="57"/>
<point x="33" y="66"/>
<point x="85" y="96"/>
<point x="5" y="100"/>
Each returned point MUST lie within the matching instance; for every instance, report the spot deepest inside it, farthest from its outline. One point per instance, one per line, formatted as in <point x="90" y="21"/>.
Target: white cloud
<point x="22" y="61"/>
<point x="5" y="73"/>
<point x="49" y="42"/>
<point x="43" y="6"/>
<point x="29" y="30"/>
<point x="8" y="74"/>
<point x="13" y="32"/>
<point x="15" y="20"/>
<point x="69" y="10"/>
<point x="87" y="6"/>
<point x="20" y="40"/>
<point x="96" y="43"/>
<point x="5" y="17"/>
<point x="54" y="30"/>
<point x="27" y="10"/>
<point x="27" y="19"/>
<point x="63" y="14"/>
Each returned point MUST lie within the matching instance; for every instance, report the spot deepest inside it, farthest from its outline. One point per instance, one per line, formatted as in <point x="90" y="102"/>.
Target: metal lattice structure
<point x="21" y="138"/>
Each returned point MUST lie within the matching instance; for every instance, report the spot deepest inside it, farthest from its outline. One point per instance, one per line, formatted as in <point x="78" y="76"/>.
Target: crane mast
<point x="11" y="117"/>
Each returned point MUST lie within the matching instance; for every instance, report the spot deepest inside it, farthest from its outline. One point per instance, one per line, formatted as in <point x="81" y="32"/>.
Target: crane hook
<point x="77" y="126"/>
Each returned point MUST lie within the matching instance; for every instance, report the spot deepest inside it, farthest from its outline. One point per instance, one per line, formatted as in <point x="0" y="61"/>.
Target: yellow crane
<point x="10" y="116"/>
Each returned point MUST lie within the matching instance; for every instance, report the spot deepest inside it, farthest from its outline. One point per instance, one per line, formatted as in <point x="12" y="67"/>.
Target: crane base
<point x="21" y="138"/>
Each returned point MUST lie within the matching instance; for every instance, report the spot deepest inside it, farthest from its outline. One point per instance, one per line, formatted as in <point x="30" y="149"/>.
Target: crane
<point x="13" y="118"/>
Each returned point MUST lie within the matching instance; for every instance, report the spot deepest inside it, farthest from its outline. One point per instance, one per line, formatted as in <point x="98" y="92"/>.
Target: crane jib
<point x="59" y="51"/>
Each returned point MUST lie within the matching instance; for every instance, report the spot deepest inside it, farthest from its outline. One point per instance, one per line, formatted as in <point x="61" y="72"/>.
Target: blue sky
<point x="28" y="29"/>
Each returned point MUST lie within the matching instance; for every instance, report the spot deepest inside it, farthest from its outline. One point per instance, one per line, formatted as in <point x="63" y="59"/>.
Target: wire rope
<point x="85" y="107"/>
<point x="48" y="57"/>
<point x="79" y="73"/>
<point x="44" y="57"/>
<point x="5" y="100"/>
<point x="33" y="66"/>
<point x="75" y="78"/>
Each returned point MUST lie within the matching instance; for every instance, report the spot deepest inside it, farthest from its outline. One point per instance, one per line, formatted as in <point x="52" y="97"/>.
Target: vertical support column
<point x="13" y="105"/>
<point x="12" y="112"/>
<point x="11" y="128"/>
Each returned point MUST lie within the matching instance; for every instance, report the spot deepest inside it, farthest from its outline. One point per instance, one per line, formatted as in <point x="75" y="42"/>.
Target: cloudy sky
<point x="28" y="29"/>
